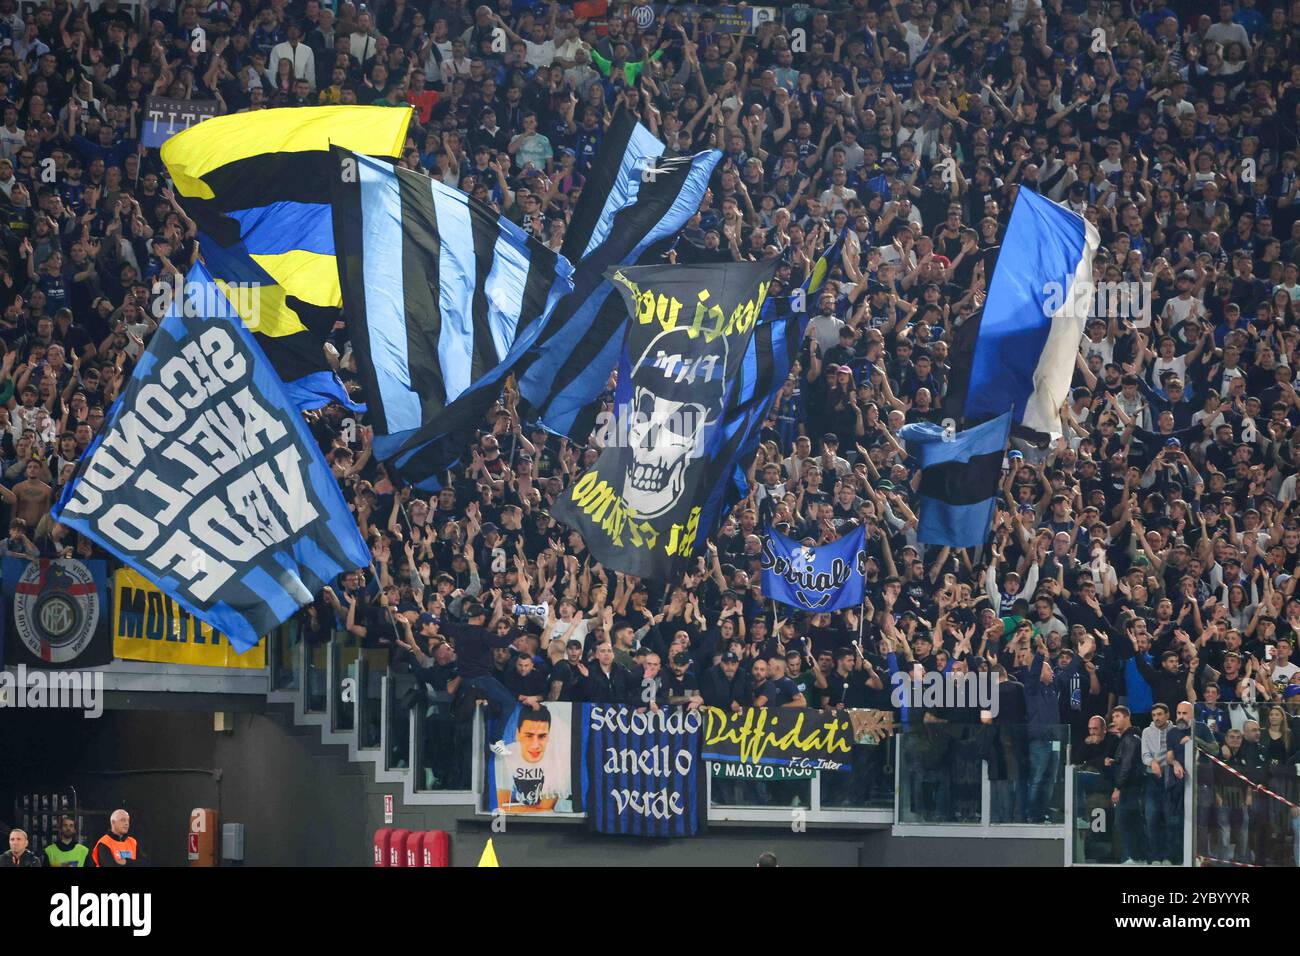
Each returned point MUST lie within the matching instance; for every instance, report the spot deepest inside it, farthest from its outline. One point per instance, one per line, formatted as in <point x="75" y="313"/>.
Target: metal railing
<point x="383" y="717"/>
<point x="928" y="779"/>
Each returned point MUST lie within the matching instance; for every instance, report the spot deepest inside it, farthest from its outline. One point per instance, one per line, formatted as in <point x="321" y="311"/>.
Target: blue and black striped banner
<point x="643" y="775"/>
<point x="960" y="472"/>
<point x="634" y="204"/>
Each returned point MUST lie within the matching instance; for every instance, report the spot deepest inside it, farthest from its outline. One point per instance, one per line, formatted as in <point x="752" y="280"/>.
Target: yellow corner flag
<point x="489" y="857"/>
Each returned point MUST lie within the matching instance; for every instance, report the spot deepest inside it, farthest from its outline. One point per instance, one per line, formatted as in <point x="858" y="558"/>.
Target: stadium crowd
<point x="1146" y="560"/>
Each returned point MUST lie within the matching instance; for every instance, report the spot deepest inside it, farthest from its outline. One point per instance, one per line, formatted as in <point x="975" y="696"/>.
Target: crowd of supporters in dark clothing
<point x="1145" y="559"/>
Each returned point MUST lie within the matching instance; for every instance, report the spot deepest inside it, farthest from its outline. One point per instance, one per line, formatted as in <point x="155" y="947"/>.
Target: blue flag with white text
<point x="821" y="577"/>
<point x="206" y="480"/>
<point x="644" y="775"/>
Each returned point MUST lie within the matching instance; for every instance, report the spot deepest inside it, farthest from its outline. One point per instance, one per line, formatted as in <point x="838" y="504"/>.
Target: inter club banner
<point x="797" y="737"/>
<point x="150" y="626"/>
<point x="164" y="117"/>
<point x="56" y="613"/>
<point x="825" y="577"/>
<point x="643" y="775"/>
<point x="530" y="760"/>
<point x="726" y="19"/>
<point x="206" y="479"/>
<point x="639" y="507"/>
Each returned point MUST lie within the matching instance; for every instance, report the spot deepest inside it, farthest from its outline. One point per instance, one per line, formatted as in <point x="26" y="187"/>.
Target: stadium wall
<point x="305" y="804"/>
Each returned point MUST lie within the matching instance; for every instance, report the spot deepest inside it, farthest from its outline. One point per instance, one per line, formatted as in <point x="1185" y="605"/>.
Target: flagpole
<point x="775" y="634"/>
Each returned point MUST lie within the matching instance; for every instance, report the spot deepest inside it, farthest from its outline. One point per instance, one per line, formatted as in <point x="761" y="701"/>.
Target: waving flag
<point x="206" y="479"/>
<point x="441" y="294"/>
<point x="633" y="205"/>
<point x="257" y="186"/>
<point x="772" y="353"/>
<point x="641" y="508"/>
<point x="561" y="352"/>
<point x="959" y="479"/>
<point x="1019" y="351"/>
<point x="824" y="577"/>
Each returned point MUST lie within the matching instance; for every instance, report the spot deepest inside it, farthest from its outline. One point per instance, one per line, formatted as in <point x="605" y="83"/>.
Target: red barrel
<point x="437" y="848"/>
<point x="415" y="848"/>
<point x="382" y="836"/>
<point x="397" y="848"/>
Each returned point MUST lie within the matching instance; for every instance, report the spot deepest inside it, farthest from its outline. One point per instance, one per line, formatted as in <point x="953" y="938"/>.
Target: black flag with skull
<point x="638" y="507"/>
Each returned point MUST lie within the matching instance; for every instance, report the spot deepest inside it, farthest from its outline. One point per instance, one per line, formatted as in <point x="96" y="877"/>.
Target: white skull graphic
<point x="677" y="392"/>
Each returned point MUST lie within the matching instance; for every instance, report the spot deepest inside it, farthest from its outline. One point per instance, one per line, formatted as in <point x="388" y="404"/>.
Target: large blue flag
<point x="959" y="479"/>
<point x="824" y="577"/>
<point x="1019" y="351"/>
<point x="442" y="295"/>
<point x="635" y="203"/>
<point x="206" y="480"/>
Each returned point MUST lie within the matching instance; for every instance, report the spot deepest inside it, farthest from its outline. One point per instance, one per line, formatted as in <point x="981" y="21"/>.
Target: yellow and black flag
<point x="257" y="186"/>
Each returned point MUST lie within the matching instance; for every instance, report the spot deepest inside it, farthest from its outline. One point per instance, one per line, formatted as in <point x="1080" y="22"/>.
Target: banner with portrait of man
<point x="529" y="761"/>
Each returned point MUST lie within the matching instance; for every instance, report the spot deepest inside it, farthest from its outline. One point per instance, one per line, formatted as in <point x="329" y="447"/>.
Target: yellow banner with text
<point x="150" y="626"/>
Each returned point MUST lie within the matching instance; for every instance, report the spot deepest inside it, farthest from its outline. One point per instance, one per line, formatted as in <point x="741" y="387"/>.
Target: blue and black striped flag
<point x="634" y="204"/>
<point x="772" y="353"/>
<point x="959" y="479"/>
<point x="440" y="293"/>
<point x="560" y="352"/>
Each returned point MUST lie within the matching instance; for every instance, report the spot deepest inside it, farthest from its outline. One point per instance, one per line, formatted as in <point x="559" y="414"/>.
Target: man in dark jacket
<point x="725" y="685"/>
<point x="1170" y="683"/>
<point x="474" y="644"/>
<point x="1128" y="773"/>
<point x="19" y="855"/>
<point x="606" y="682"/>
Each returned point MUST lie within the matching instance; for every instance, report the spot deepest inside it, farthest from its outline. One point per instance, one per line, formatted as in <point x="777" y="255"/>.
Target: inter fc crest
<point x="56" y="609"/>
